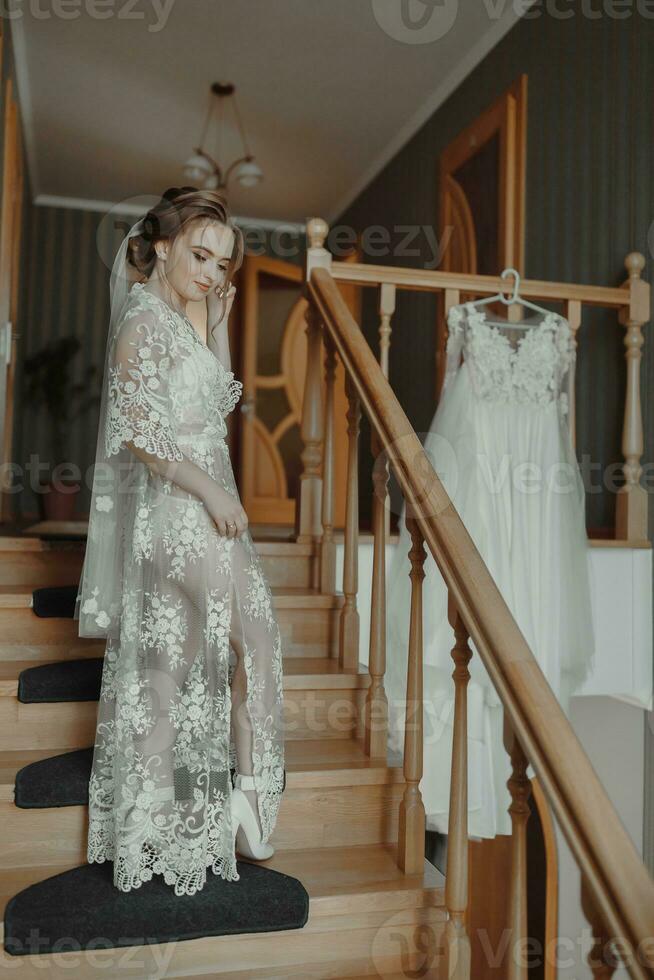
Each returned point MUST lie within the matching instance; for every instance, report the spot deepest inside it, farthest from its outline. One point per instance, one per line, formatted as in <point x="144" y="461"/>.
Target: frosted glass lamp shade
<point x="197" y="167"/>
<point x="249" y="173"/>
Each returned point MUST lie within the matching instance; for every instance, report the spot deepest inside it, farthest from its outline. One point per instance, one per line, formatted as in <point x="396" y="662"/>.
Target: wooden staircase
<point x="338" y="821"/>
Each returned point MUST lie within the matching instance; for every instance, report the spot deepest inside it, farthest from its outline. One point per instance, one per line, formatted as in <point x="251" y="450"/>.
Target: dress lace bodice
<point x="534" y="371"/>
<point x="167" y="388"/>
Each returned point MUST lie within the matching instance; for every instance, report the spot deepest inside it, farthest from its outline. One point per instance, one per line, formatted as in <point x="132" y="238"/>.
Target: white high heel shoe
<point x="247" y="838"/>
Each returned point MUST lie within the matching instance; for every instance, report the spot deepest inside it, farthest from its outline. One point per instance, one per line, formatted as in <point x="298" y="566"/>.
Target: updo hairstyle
<point x="177" y="208"/>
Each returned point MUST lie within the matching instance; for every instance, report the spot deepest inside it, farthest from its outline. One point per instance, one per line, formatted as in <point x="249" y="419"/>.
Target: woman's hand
<point x="226" y="512"/>
<point x="213" y="305"/>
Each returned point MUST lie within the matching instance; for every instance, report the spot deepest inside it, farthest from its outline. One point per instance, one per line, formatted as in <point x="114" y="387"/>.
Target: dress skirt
<point x="193" y="602"/>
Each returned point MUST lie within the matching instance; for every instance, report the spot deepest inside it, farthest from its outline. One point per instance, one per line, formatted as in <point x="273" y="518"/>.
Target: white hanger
<point x="514" y="298"/>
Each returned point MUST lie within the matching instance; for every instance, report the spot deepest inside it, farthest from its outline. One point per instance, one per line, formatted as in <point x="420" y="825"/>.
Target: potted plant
<point x="48" y="385"/>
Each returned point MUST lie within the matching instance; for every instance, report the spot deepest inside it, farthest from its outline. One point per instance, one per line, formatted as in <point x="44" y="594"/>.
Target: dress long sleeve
<point x="140" y="406"/>
<point x="568" y="352"/>
<point x="454" y="345"/>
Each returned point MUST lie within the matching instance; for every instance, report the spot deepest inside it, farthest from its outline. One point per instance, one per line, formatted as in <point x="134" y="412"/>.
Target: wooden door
<point x="482" y="197"/>
<point x="273" y="354"/>
<point x="10" y="241"/>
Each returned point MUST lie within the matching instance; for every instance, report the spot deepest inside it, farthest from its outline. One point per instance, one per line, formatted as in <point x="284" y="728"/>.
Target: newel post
<point x="631" y="502"/>
<point x="308" y="524"/>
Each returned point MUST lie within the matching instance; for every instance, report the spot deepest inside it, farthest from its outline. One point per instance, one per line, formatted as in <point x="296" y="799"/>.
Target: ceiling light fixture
<point x="202" y="168"/>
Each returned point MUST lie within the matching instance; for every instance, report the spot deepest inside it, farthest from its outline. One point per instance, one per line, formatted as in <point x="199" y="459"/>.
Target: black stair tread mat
<point x="61" y="780"/>
<point x="71" y="910"/>
<point x="55" y="600"/>
<point x="65" y="680"/>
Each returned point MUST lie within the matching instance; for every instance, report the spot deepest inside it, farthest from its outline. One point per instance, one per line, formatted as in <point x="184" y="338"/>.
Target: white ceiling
<point x="112" y="107"/>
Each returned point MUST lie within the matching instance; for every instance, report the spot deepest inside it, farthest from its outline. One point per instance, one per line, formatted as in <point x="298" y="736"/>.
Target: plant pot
<point x="57" y="501"/>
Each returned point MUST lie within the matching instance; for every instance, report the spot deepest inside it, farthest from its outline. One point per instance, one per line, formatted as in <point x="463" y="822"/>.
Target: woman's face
<point x="198" y="259"/>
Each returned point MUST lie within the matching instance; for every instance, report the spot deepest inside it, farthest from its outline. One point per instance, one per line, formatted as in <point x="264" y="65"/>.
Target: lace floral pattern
<point x="160" y="785"/>
<point x="533" y="371"/>
<point x="184" y="538"/>
<point x="218" y="385"/>
<point x="230" y="393"/>
<point x="138" y="388"/>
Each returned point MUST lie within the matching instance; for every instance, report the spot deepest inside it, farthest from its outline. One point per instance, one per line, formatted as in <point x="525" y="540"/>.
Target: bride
<point x="192" y="676"/>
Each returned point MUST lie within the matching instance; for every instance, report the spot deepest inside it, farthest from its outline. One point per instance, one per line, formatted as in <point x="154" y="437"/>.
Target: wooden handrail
<point x="364" y="274"/>
<point x="615" y="876"/>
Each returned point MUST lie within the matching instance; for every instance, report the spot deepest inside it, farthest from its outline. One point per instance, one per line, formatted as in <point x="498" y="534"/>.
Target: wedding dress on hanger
<point x="501" y="445"/>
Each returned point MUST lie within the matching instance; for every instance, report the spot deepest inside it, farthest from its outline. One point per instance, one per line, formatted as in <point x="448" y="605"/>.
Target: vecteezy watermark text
<point x="427" y="21"/>
<point x="415" y="244"/>
<point x="373" y="241"/>
<point x="154" y="13"/>
<point x="438" y="460"/>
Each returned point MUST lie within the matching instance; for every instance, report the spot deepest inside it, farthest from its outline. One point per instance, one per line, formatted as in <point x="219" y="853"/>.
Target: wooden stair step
<point x="15" y="597"/>
<point x="363" y="911"/>
<point x="285" y="596"/>
<point x="320" y="698"/>
<point x="308" y="620"/>
<point x="338" y="879"/>
<point x="41" y="563"/>
<point x="332" y="795"/>
<point x="54" y="533"/>
<point x="299" y="672"/>
<point x="309" y="764"/>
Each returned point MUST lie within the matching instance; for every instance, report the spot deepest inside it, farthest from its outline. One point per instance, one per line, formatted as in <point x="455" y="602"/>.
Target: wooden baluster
<point x="386" y="309"/>
<point x="411" y="831"/>
<point x="457" y="942"/>
<point x="601" y="958"/>
<point x="307" y="508"/>
<point x="376" y="701"/>
<point x="572" y="308"/>
<point x="519" y="788"/>
<point x="349" y="620"/>
<point x="328" y="545"/>
<point x="631" y="503"/>
<point x="307" y="514"/>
